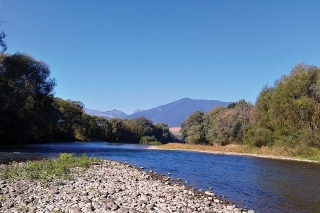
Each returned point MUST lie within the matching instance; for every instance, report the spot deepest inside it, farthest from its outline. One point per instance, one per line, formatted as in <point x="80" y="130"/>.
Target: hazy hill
<point x="107" y="114"/>
<point x="176" y="112"/>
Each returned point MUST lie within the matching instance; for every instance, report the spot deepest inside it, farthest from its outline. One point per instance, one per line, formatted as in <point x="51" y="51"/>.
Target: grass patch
<point x="44" y="170"/>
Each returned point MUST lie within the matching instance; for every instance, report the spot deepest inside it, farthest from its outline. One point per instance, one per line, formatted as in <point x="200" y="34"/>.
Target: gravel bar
<point x="109" y="187"/>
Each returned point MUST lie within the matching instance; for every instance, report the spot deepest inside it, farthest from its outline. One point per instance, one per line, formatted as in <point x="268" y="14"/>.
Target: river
<point x="265" y="185"/>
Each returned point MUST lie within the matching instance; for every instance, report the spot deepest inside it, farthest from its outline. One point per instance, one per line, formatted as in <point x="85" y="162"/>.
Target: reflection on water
<point x="264" y="185"/>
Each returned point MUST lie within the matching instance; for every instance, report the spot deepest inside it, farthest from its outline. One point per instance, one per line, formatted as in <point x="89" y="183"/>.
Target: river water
<point x="264" y="185"/>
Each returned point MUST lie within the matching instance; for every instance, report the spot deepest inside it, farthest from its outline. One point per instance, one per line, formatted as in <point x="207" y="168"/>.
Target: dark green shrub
<point x="258" y="137"/>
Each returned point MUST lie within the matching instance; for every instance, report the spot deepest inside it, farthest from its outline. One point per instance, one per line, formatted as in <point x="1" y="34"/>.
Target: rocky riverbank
<point x="108" y="187"/>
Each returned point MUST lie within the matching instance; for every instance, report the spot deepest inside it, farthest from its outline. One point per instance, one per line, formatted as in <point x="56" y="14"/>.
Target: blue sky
<point x="130" y="55"/>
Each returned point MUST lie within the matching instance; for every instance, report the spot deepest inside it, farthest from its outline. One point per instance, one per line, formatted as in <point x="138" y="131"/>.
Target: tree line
<point x="29" y="112"/>
<point x="286" y="114"/>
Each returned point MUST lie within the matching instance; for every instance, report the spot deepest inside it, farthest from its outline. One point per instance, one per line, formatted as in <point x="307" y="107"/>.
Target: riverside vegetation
<point x="284" y="121"/>
<point x="70" y="184"/>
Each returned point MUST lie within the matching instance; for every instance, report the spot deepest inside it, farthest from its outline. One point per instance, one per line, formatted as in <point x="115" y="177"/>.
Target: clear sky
<point x="130" y="55"/>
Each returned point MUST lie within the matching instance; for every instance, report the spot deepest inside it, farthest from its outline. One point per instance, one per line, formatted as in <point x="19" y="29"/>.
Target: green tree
<point x="290" y="110"/>
<point x="162" y="133"/>
<point x="91" y="128"/>
<point x="193" y="130"/>
<point x="26" y="96"/>
<point x="144" y="127"/>
<point x="229" y="126"/>
<point x="210" y="124"/>
<point x="70" y="121"/>
<point x="142" y="130"/>
<point x="117" y="129"/>
<point x="74" y="124"/>
<point x="264" y="107"/>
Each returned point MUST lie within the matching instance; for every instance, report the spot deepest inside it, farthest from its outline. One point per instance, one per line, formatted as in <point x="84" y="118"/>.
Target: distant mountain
<point x="178" y="111"/>
<point x="107" y="114"/>
<point x="173" y="113"/>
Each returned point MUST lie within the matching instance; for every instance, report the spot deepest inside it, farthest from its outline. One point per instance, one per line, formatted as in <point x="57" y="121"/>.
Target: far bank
<point x="281" y="153"/>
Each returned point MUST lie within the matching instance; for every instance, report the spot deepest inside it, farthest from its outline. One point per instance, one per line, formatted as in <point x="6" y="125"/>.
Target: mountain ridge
<point x="173" y="113"/>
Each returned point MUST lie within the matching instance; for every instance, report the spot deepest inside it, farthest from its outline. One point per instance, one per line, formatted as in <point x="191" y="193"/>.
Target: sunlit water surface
<point x="264" y="185"/>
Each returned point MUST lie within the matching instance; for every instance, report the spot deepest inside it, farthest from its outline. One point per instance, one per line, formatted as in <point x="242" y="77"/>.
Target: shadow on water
<point x="264" y="185"/>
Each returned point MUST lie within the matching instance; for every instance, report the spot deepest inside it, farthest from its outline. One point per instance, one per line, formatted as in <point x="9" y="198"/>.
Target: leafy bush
<point x="149" y="140"/>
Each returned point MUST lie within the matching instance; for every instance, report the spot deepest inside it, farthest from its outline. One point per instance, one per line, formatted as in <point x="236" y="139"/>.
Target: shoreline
<point x="108" y="187"/>
<point x="274" y="157"/>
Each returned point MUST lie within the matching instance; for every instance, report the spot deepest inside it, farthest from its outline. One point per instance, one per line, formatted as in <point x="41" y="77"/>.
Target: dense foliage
<point x="25" y="99"/>
<point x="221" y="125"/>
<point x="74" y="124"/>
<point x="29" y="112"/>
<point x="287" y="114"/>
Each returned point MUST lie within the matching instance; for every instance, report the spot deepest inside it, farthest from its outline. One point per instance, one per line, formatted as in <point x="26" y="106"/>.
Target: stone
<point x="74" y="210"/>
<point x="209" y="193"/>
